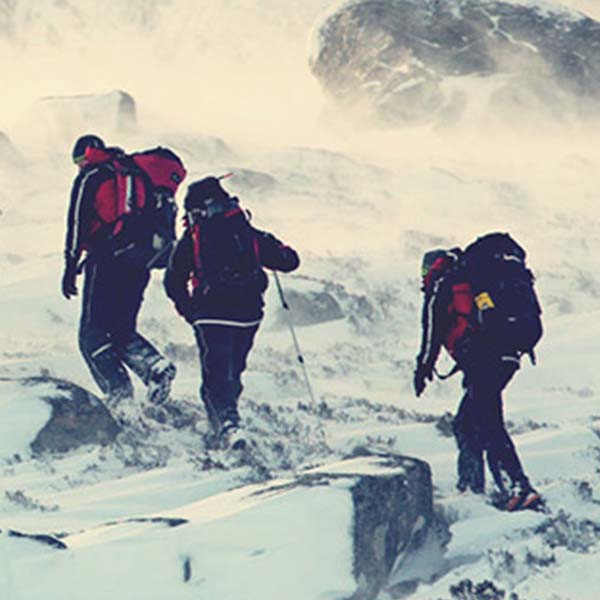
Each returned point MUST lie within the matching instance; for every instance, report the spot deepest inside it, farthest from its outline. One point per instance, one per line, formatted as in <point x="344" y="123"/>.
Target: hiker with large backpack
<point x="480" y="304"/>
<point x="121" y="222"/>
<point x="216" y="279"/>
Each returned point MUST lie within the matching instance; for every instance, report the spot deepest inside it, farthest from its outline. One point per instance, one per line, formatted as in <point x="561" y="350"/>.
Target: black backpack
<point x="506" y="311"/>
<point x="226" y="256"/>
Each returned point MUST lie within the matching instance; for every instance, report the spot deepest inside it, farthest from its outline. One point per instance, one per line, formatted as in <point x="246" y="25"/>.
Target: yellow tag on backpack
<point x="484" y="301"/>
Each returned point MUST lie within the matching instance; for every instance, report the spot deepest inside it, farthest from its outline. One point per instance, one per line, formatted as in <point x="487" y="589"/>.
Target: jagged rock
<point x="70" y="116"/>
<point x="417" y="60"/>
<point x="394" y="520"/>
<point x="311" y="307"/>
<point x="313" y="301"/>
<point x="78" y="417"/>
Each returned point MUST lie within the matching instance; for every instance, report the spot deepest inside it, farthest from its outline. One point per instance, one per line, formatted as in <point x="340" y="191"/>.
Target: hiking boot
<point x="464" y="485"/>
<point x="524" y="499"/>
<point x="161" y="377"/>
<point x="231" y="434"/>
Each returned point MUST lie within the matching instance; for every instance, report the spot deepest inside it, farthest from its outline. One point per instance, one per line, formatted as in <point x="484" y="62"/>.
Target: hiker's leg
<point x="470" y="464"/>
<point x="243" y="338"/>
<point x="95" y="342"/>
<point x="215" y="345"/>
<point x="502" y="456"/>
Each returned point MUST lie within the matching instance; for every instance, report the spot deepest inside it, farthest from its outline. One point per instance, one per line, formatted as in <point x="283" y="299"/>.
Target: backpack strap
<point x="455" y="369"/>
<point x="231" y="213"/>
<point x="256" y="248"/>
<point x="197" y="272"/>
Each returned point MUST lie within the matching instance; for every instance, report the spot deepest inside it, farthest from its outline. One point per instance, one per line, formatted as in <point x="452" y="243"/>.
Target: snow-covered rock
<point x="76" y="418"/>
<point x="310" y="307"/>
<point x="331" y="532"/>
<point x="67" y="117"/>
<point x="423" y="60"/>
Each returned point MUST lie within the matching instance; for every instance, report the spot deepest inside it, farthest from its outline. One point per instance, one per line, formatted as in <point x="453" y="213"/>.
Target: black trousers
<point x="223" y="353"/>
<point x="479" y="427"/>
<point x="108" y="337"/>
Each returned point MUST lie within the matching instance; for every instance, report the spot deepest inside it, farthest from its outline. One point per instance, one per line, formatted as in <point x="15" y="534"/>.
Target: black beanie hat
<point x="203" y="193"/>
<point x="84" y="142"/>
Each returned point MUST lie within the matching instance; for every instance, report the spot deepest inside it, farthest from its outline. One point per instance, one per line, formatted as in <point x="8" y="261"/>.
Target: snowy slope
<point x="360" y="208"/>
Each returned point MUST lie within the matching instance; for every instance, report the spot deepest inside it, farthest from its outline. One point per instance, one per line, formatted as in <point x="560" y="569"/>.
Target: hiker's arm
<point x="80" y="211"/>
<point x="274" y="254"/>
<point x="177" y="276"/>
<point x="78" y="217"/>
<point x="434" y="324"/>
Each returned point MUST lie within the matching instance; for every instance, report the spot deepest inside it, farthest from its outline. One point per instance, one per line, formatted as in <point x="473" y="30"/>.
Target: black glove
<point x="69" y="288"/>
<point x="420" y="376"/>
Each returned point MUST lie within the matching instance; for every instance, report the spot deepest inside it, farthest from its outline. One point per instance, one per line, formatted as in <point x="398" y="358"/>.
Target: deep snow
<point x="360" y="208"/>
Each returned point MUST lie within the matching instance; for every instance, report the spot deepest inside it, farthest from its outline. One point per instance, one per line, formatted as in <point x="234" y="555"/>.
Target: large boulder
<point x="406" y="61"/>
<point x="347" y="530"/>
<point x="51" y="415"/>
<point x="78" y="418"/>
<point x="67" y="117"/>
<point x="314" y="301"/>
<point x="310" y="308"/>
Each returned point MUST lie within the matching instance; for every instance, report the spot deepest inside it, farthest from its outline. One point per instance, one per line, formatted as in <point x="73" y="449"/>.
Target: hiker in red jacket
<point x="113" y="288"/>
<point x="221" y="258"/>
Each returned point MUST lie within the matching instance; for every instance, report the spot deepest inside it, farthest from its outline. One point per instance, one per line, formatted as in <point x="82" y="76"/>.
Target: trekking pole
<point x="288" y="317"/>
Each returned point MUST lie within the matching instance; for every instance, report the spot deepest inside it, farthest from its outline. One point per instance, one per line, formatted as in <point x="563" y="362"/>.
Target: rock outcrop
<point x="406" y="61"/>
<point x="337" y="531"/>
<point x="393" y="519"/>
<point x="69" y="116"/>
<point x="78" y="418"/>
<point x="311" y="307"/>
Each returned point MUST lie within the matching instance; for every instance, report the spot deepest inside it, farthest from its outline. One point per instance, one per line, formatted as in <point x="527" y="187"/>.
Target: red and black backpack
<point x="137" y="222"/>
<point x="226" y="253"/>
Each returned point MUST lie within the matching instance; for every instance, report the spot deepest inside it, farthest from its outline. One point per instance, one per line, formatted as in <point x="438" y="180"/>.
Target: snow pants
<point x="223" y="353"/>
<point x="108" y="340"/>
<point x="479" y="427"/>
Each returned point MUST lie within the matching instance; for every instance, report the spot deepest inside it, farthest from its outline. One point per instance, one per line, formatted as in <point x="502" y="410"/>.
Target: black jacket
<point x="242" y="307"/>
<point x="82" y="220"/>
<point x="436" y="320"/>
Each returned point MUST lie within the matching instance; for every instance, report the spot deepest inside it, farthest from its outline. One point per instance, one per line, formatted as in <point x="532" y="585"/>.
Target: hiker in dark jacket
<point x="113" y="290"/>
<point x="216" y="279"/>
<point x="479" y="423"/>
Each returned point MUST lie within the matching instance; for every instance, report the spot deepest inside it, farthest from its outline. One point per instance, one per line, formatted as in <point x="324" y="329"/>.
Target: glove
<point x="421" y="375"/>
<point x="69" y="288"/>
